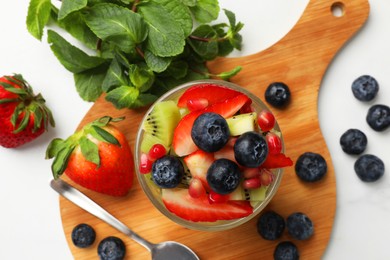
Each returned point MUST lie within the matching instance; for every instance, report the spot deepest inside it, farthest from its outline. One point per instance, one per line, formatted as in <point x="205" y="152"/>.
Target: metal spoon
<point x="161" y="251"/>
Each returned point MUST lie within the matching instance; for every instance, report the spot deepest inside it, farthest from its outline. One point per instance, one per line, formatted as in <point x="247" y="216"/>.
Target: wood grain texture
<point x="299" y="59"/>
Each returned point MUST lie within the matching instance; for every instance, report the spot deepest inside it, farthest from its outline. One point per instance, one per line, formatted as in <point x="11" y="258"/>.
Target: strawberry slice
<point x="210" y="92"/>
<point x="198" y="163"/>
<point x="182" y="141"/>
<point x="277" y="161"/>
<point x="180" y="203"/>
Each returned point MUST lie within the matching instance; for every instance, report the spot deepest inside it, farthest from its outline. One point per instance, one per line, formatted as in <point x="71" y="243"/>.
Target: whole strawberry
<point x="23" y="115"/>
<point x="97" y="157"/>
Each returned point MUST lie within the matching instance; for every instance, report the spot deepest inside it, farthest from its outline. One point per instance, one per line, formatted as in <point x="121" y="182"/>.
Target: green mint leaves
<point x="135" y="50"/>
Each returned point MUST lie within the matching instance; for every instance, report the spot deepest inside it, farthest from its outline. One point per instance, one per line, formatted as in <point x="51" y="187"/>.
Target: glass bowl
<point x="153" y="192"/>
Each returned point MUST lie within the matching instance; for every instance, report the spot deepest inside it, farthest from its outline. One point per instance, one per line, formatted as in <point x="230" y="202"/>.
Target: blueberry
<point x="369" y="168"/>
<point x="210" y="132"/>
<point x="311" y="167"/>
<point x="83" y="235"/>
<point x="167" y="171"/>
<point x="286" y="250"/>
<point x="299" y="226"/>
<point x="278" y="94"/>
<point x="250" y="149"/>
<point x="353" y="141"/>
<point x="111" y="248"/>
<point x="223" y="176"/>
<point x="270" y="225"/>
<point x="365" y="88"/>
<point x="378" y="117"/>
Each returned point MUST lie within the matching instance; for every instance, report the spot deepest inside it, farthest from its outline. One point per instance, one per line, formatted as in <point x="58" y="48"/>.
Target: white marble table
<point x="30" y="221"/>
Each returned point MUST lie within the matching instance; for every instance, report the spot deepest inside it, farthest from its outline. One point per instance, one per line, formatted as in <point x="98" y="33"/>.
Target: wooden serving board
<point x="300" y="59"/>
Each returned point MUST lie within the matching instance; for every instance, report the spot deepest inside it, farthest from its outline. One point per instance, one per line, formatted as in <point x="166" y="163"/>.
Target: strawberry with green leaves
<point x="97" y="157"/>
<point x="23" y="115"/>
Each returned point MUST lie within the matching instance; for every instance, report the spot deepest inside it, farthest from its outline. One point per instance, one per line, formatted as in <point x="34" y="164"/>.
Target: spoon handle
<point x="81" y="200"/>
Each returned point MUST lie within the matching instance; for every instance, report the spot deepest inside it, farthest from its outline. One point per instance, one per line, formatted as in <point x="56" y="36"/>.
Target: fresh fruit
<point x="196" y="188"/>
<point x="223" y="176"/>
<point x="210" y="132"/>
<point x="251" y="183"/>
<point x="167" y="172"/>
<point x="97" y="157"/>
<point x="270" y="225"/>
<point x="198" y="163"/>
<point x="266" y="120"/>
<point x="156" y="151"/>
<point x="83" y="235"/>
<point x="24" y="116"/>
<point x="111" y="248"/>
<point x="274" y="161"/>
<point x="274" y="143"/>
<point x="278" y="94"/>
<point x="286" y="250"/>
<point x="197" y="104"/>
<point x="212" y="93"/>
<point x="180" y="203"/>
<point x="353" y="141"/>
<point x="242" y="123"/>
<point x="145" y="165"/>
<point x="299" y="226"/>
<point x="250" y="149"/>
<point x="182" y="140"/>
<point x="266" y="177"/>
<point x="311" y="167"/>
<point x="369" y="168"/>
<point x="378" y="117"/>
<point x="365" y="88"/>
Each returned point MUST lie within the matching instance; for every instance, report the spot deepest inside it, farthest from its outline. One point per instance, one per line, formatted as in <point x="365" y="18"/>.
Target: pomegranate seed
<point x="251" y="173"/>
<point x="266" y="177"/>
<point x="196" y="189"/>
<point x="252" y="183"/>
<point x="217" y="198"/>
<point x="145" y="164"/>
<point x="196" y="104"/>
<point x="265" y="120"/>
<point x="274" y="143"/>
<point x="156" y="151"/>
<point x="247" y="108"/>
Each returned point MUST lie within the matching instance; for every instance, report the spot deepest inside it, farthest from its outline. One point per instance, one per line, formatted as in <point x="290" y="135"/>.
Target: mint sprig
<point x="138" y="49"/>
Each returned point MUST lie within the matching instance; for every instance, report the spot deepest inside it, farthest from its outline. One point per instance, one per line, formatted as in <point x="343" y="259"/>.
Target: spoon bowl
<point x="162" y="251"/>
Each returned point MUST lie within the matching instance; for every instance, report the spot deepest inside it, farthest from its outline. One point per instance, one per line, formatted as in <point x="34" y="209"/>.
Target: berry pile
<point x="211" y="154"/>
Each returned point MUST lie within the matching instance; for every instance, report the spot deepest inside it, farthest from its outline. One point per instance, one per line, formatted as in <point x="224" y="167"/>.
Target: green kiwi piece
<point x="240" y="124"/>
<point x="159" y="125"/>
<point x="254" y="196"/>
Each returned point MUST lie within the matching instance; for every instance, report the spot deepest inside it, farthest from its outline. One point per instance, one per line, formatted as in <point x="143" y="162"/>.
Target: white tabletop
<point x="30" y="220"/>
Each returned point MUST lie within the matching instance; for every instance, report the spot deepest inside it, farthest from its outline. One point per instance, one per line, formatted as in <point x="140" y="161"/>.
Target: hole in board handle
<point x="338" y="9"/>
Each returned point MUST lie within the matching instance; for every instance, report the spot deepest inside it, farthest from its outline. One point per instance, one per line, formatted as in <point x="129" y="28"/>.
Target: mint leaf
<point x="117" y="24"/>
<point x="37" y="17"/>
<point x="123" y="97"/>
<point x="156" y="63"/>
<point x="166" y="37"/>
<point x="72" y="58"/>
<point x="115" y="77"/>
<point x="178" y="69"/>
<point x="141" y="77"/>
<point x="189" y="2"/>
<point x="69" y="6"/>
<point x="204" y="42"/>
<point x="206" y="11"/>
<point x="88" y="83"/>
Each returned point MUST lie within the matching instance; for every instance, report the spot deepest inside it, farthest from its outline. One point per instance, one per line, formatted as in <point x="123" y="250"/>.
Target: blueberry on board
<point x="111" y="248"/>
<point x="299" y="226"/>
<point x="311" y="167"/>
<point x="250" y="149"/>
<point x="167" y="171"/>
<point x="83" y="235"/>
<point x="223" y="176"/>
<point x="353" y="141"/>
<point x="210" y="132"/>
<point x="278" y="94"/>
<point x="286" y="250"/>
<point x="378" y="117"/>
<point x="270" y="225"/>
<point x="365" y="88"/>
<point x="369" y="168"/>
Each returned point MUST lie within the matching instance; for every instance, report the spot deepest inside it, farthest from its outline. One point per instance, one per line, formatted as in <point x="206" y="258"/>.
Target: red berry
<point x="266" y="120"/>
<point x="145" y="165"/>
<point x="156" y="151"/>
<point x="274" y="143"/>
<point x="266" y="177"/>
<point x="251" y="173"/>
<point x="196" y="189"/>
<point x="197" y="104"/>
<point x="252" y="183"/>
<point x="217" y="198"/>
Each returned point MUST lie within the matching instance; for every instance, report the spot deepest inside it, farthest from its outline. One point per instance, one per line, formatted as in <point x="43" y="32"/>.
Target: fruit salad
<point x="209" y="153"/>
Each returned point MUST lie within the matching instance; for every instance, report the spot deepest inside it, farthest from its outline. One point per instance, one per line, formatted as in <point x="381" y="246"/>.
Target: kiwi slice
<point x="254" y="196"/>
<point x="159" y="125"/>
<point x="242" y="123"/>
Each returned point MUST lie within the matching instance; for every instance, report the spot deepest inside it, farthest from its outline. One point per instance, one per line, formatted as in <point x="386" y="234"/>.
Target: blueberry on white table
<point x="369" y="168"/>
<point x="365" y="88"/>
<point x="353" y="141"/>
<point x="378" y="117"/>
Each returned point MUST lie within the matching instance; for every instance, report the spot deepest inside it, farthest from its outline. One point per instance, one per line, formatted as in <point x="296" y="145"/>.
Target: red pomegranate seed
<point x="274" y="143"/>
<point x="251" y="173"/>
<point x="266" y="177"/>
<point x="156" y="151"/>
<point x="252" y="183"/>
<point x="145" y="165"/>
<point x="265" y="120"/>
<point x="196" y="189"/>
<point x="197" y="103"/>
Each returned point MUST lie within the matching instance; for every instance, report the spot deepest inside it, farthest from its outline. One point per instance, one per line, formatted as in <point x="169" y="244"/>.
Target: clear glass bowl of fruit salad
<point x="209" y="155"/>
